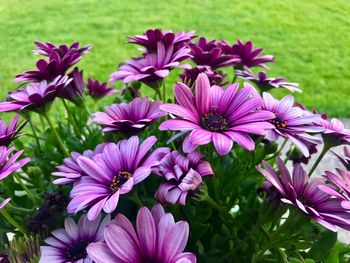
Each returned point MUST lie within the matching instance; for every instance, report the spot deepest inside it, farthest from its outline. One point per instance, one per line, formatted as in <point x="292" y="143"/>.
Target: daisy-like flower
<point x="339" y="186"/>
<point x="210" y="54"/>
<point x="334" y="132"/>
<point x="248" y="55"/>
<point x="98" y="90"/>
<point x="46" y="48"/>
<point x="303" y="193"/>
<point x="183" y="175"/>
<point x="264" y="83"/>
<point x="70" y="172"/>
<point x="213" y="114"/>
<point x="158" y="238"/>
<point x="9" y="163"/>
<point x="35" y="97"/>
<point x="74" y="90"/>
<point x="10" y="132"/>
<point x="153" y="67"/>
<point x="190" y="75"/>
<point x="150" y="39"/>
<point x="112" y="173"/>
<point x="59" y="60"/>
<point x="129" y="118"/>
<point x="69" y="244"/>
<point x="345" y="160"/>
<point x="291" y="122"/>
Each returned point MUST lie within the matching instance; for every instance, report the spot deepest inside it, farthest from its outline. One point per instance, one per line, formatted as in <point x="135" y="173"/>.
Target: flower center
<point x="213" y="122"/>
<point x="119" y="180"/>
<point x="279" y="122"/>
<point x="77" y="250"/>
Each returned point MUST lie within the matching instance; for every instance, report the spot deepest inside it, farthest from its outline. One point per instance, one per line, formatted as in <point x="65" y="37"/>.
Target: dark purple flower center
<point x="279" y="122"/>
<point x="119" y="180"/>
<point x="214" y="122"/>
<point x="77" y="250"/>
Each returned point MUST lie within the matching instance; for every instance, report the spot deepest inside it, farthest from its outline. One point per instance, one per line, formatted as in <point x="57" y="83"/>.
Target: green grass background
<point x="310" y="39"/>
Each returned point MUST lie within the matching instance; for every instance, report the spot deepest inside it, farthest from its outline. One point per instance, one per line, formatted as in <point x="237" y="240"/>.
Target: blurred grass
<point x="310" y="39"/>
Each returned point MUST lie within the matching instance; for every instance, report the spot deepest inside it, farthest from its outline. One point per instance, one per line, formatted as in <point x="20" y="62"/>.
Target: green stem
<point x="322" y="154"/>
<point x="71" y="117"/>
<point x="159" y="94"/>
<point x="135" y="198"/>
<point x="12" y="221"/>
<point x="35" y="134"/>
<point x="279" y="151"/>
<point x="58" y="138"/>
<point x="25" y="188"/>
<point x="164" y="92"/>
<point x="217" y="207"/>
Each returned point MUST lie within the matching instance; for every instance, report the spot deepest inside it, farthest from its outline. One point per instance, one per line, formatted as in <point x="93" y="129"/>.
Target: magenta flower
<point x="247" y="54"/>
<point x="339" y="186"/>
<point x="60" y="59"/>
<point x="70" y="171"/>
<point x="213" y="114"/>
<point x="98" y="90"/>
<point x="345" y="160"/>
<point x="291" y="122"/>
<point x="210" y="54"/>
<point x="190" y="75"/>
<point x="183" y="175"/>
<point x="9" y="163"/>
<point x="158" y="238"/>
<point x="69" y="244"/>
<point x="112" y="173"/>
<point x="150" y="39"/>
<point x="334" y="132"/>
<point x="129" y="118"/>
<point x="153" y="67"/>
<point x="304" y="194"/>
<point x="35" y="97"/>
<point x="10" y="132"/>
<point x="4" y="203"/>
<point x="74" y="90"/>
<point x="264" y="83"/>
<point x="45" y="49"/>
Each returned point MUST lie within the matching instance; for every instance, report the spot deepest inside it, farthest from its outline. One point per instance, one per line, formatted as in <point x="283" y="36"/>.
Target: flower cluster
<point x="204" y="168"/>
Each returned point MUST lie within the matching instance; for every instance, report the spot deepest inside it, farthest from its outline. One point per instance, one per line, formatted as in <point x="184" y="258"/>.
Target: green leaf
<point x="323" y="246"/>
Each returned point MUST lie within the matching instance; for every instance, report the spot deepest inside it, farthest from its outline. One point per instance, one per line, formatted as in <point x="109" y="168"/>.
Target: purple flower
<point x="150" y="39"/>
<point x="183" y="175"/>
<point x="4" y="203"/>
<point x="74" y="90"/>
<point x="70" y="171"/>
<point x="10" y="132"/>
<point x="190" y="75"/>
<point x="129" y="118"/>
<point x="344" y="160"/>
<point x="299" y="191"/>
<point x="334" y="132"/>
<point x="98" y="90"/>
<point x="247" y="54"/>
<point x="9" y="163"/>
<point x="291" y="122"/>
<point x="153" y="67"/>
<point x="213" y="114"/>
<point x="158" y="238"/>
<point x="60" y="59"/>
<point x="45" y="49"/>
<point x="210" y="54"/>
<point x="112" y="173"/>
<point x="265" y="83"/>
<point x="35" y="97"/>
<point x="69" y="244"/>
<point x="339" y="187"/>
